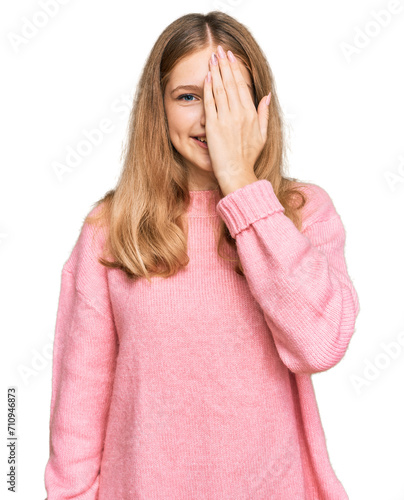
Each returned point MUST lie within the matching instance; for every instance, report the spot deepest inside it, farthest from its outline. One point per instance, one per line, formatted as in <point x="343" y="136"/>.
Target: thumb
<point x="263" y="115"/>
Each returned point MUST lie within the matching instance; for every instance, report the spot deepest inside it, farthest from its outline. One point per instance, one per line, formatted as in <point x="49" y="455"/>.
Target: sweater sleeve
<point x="84" y="357"/>
<point x="299" y="278"/>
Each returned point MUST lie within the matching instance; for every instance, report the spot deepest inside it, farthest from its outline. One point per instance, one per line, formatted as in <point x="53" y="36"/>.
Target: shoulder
<point x="89" y="243"/>
<point x="319" y="206"/>
<point x="83" y="270"/>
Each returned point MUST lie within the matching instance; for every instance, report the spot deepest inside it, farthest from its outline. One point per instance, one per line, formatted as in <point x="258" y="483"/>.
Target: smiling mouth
<point x="202" y="144"/>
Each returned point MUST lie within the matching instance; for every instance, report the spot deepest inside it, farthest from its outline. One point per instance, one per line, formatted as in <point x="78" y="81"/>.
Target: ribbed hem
<point x="248" y="204"/>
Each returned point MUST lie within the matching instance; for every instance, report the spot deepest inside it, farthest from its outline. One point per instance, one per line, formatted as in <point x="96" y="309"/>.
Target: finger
<point x="219" y="91"/>
<point x="208" y="98"/>
<point x="228" y="80"/>
<point x="241" y="84"/>
<point x="263" y="116"/>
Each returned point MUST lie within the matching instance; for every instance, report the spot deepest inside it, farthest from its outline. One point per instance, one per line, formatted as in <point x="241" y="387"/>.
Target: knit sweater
<point x="198" y="386"/>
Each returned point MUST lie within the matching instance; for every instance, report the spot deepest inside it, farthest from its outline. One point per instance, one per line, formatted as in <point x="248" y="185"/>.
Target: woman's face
<point x="186" y="115"/>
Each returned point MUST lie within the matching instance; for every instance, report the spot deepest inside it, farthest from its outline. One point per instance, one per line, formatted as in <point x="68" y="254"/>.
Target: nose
<point x="203" y="118"/>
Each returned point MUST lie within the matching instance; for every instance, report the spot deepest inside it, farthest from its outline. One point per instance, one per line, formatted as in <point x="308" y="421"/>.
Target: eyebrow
<point x="193" y="87"/>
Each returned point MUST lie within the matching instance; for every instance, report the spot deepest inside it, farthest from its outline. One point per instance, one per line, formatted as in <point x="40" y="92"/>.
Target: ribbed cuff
<point x="248" y="204"/>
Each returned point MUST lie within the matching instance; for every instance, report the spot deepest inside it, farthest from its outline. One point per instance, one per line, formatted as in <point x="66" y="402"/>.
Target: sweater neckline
<point x="203" y="203"/>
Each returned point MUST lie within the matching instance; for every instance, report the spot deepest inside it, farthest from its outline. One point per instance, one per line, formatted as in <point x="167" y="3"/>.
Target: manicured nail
<point x="221" y="52"/>
<point x="214" y="59"/>
<point x="268" y="99"/>
<point x="231" y="56"/>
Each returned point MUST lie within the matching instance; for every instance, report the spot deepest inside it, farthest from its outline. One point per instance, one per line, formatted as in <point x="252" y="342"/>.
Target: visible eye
<point x="180" y="98"/>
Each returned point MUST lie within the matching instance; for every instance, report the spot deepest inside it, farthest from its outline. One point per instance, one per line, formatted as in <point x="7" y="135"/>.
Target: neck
<point x="203" y="202"/>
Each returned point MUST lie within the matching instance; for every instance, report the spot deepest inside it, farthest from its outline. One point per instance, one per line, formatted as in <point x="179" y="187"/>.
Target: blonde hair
<point x="145" y="213"/>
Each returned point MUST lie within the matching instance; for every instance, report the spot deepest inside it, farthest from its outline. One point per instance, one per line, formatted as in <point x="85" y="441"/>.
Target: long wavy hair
<point x="146" y="212"/>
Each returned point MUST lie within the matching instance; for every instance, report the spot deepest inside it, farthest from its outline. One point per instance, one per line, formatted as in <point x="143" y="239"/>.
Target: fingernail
<point x="214" y="59"/>
<point x="231" y="56"/>
<point x="221" y="52"/>
<point x="268" y="99"/>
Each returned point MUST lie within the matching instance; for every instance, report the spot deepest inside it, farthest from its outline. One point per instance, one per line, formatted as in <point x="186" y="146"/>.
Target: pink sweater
<point x="199" y="386"/>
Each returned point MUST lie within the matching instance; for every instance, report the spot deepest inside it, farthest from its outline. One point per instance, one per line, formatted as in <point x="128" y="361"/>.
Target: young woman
<point x="201" y="294"/>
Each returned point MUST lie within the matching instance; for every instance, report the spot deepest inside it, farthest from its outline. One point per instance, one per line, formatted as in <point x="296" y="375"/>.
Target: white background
<point x="345" y="127"/>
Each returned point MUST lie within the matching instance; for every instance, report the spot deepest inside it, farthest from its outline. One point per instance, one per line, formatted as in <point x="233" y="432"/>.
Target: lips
<point x="200" y="143"/>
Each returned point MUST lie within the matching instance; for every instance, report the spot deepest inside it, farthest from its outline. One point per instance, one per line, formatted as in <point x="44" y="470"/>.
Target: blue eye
<point x="180" y="98"/>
